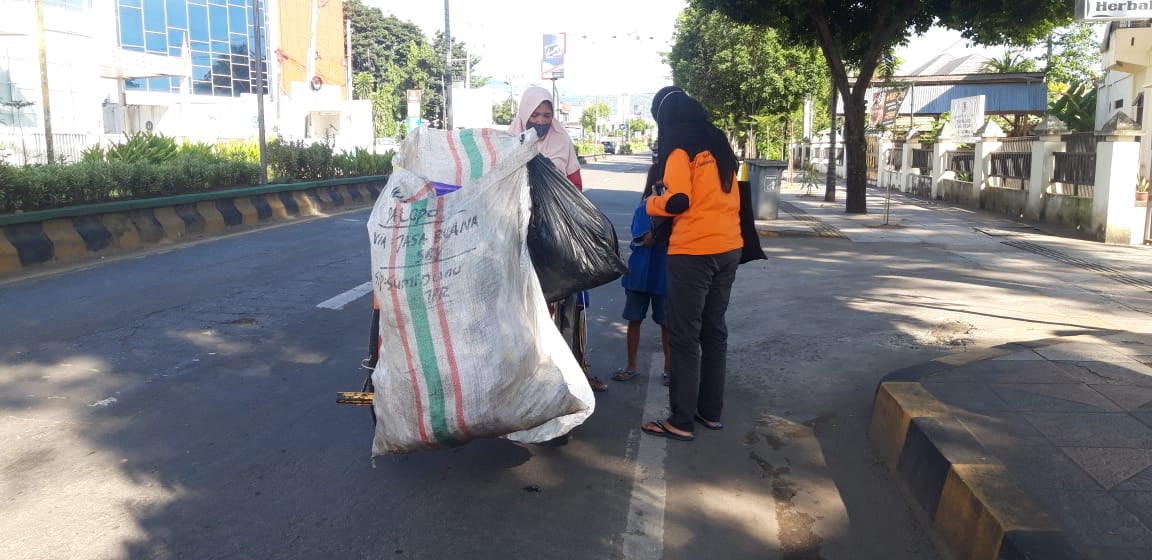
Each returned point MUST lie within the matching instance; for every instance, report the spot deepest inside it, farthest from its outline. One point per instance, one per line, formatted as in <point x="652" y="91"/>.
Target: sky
<point x="613" y="45"/>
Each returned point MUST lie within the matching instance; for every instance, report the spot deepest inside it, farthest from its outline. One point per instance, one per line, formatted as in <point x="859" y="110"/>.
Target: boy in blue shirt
<point x="645" y="284"/>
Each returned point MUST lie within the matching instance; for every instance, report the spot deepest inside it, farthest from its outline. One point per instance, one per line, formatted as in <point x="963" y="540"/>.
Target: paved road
<point x="180" y="404"/>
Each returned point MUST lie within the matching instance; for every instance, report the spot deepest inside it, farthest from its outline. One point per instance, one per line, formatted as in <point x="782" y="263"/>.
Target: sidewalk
<point x="1034" y="449"/>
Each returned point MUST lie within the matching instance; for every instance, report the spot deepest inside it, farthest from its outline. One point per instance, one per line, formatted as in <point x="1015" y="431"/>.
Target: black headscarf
<point x="684" y="124"/>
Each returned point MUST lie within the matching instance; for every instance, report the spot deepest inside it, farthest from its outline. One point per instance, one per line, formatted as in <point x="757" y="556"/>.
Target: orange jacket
<point x="706" y="220"/>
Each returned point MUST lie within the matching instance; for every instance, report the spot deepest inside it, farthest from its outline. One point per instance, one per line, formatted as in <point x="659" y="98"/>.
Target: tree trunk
<point x="855" y="157"/>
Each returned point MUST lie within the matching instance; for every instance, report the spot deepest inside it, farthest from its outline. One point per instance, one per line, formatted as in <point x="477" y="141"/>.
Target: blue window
<point x="218" y="23"/>
<point x="237" y="19"/>
<point x="154" y="16"/>
<point x="156" y="43"/>
<point x="131" y="27"/>
<point x="198" y="23"/>
<point x="219" y="34"/>
<point x="177" y="14"/>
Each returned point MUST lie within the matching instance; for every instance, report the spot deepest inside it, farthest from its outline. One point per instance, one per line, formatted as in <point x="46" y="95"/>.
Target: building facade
<point x="185" y="68"/>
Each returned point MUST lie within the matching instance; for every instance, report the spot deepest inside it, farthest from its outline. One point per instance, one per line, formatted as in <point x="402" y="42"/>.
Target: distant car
<point x="609" y="147"/>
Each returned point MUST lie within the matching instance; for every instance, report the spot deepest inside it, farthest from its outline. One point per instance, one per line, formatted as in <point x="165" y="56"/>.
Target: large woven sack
<point x="467" y="346"/>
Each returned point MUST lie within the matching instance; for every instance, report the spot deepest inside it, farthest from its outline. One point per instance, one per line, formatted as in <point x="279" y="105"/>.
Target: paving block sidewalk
<point x="1039" y="449"/>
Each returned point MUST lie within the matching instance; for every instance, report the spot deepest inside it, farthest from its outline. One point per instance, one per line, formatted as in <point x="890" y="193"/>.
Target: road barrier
<point x="36" y="239"/>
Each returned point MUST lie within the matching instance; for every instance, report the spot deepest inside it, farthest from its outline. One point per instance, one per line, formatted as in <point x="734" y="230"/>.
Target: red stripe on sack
<point x="420" y="193"/>
<point x="455" y="157"/>
<point x="403" y="333"/>
<point x="449" y="353"/>
<point x="491" y="148"/>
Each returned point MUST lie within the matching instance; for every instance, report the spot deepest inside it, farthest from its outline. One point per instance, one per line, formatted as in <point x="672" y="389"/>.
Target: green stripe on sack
<point x="468" y="138"/>
<point x="421" y="327"/>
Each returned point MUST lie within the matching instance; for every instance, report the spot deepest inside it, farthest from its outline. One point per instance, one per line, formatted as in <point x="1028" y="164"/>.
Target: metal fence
<point x="960" y="162"/>
<point x="896" y="156"/>
<point x="922" y="160"/>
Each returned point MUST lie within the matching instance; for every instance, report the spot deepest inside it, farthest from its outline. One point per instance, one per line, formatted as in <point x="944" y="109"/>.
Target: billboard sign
<point x="1111" y="10"/>
<point x="967" y="117"/>
<point x="552" y="61"/>
<point x="885" y="106"/>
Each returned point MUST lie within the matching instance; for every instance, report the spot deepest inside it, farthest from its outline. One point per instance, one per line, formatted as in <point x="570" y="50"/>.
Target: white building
<point x="184" y="68"/>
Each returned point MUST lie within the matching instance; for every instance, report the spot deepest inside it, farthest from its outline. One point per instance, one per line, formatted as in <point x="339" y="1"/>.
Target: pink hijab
<point x="556" y="145"/>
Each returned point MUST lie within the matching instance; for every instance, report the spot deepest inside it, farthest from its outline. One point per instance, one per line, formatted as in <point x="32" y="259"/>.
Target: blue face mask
<point x="541" y="129"/>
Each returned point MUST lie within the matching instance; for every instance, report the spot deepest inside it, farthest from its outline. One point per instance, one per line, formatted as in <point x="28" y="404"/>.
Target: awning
<point x="128" y="65"/>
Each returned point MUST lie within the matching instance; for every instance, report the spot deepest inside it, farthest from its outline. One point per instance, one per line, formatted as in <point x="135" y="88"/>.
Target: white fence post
<point x="911" y="144"/>
<point x="989" y="143"/>
<point x="1114" y="192"/>
<point x="1044" y="149"/>
<point x="944" y="143"/>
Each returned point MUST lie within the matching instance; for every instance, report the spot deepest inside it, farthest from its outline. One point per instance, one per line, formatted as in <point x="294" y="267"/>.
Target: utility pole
<point x="447" y="71"/>
<point x="49" y="148"/>
<point x="830" y="179"/>
<point x="258" y="39"/>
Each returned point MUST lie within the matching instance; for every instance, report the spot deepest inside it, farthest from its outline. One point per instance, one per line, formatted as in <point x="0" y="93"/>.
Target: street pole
<point x="447" y="71"/>
<point x="257" y="22"/>
<point x="49" y="148"/>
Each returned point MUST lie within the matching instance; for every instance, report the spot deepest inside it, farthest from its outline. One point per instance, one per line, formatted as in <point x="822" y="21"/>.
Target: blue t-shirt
<point x="647" y="270"/>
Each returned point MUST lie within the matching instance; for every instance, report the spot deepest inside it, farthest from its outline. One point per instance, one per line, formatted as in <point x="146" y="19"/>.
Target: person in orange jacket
<point x="701" y="197"/>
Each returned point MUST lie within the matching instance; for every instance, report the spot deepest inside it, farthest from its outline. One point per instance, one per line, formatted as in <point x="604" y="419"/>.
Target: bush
<point x="589" y="147"/>
<point x="148" y="166"/>
<point x="143" y="146"/>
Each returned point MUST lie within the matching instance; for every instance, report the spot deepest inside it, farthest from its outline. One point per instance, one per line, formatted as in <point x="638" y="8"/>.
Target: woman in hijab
<point x="700" y="194"/>
<point x="536" y="111"/>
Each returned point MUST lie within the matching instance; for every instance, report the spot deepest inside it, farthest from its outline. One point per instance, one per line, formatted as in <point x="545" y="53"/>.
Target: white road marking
<point x="643" y="536"/>
<point x="345" y="298"/>
<point x="106" y="402"/>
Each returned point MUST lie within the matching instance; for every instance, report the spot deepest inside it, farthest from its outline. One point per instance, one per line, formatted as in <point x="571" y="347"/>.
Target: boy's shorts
<point x="636" y="306"/>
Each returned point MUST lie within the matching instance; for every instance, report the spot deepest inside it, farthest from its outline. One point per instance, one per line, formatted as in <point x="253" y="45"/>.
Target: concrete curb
<point x="68" y="235"/>
<point x="963" y="495"/>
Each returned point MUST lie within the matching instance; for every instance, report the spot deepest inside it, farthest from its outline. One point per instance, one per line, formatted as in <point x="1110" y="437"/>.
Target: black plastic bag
<point x="752" y="251"/>
<point x="572" y="243"/>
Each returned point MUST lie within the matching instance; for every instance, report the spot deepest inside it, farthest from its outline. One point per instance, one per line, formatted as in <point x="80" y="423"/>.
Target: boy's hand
<point x="647" y="240"/>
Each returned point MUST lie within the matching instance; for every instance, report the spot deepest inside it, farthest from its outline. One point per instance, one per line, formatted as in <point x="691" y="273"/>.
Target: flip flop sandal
<point x="667" y="378"/>
<point x="658" y="429"/>
<point x="714" y="426"/>
<point x="597" y="385"/>
<point x="623" y="375"/>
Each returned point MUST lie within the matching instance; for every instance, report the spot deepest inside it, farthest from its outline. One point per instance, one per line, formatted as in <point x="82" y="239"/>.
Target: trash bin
<point x="765" y="174"/>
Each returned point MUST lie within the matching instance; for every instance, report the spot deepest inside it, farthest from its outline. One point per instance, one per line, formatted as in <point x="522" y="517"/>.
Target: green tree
<point x="503" y="112"/>
<point x="855" y="37"/>
<point x="638" y="126"/>
<point x="1011" y="62"/>
<point x="592" y="115"/>
<point x="1074" y="55"/>
<point x="741" y="73"/>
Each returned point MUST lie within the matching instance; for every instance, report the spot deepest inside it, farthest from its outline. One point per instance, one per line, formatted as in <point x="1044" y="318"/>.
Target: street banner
<point x="552" y="62"/>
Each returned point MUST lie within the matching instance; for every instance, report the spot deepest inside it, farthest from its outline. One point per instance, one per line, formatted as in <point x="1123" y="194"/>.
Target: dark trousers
<point x="698" y="291"/>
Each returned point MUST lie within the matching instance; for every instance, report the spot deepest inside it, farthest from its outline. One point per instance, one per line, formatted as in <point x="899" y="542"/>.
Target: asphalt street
<point x="180" y="403"/>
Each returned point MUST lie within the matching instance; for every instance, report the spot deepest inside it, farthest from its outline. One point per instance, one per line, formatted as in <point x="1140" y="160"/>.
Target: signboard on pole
<point x="1112" y="10"/>
<point x="552" y="61"/>
<point x="414" y="97"/>
<point x="967" y="117"/>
